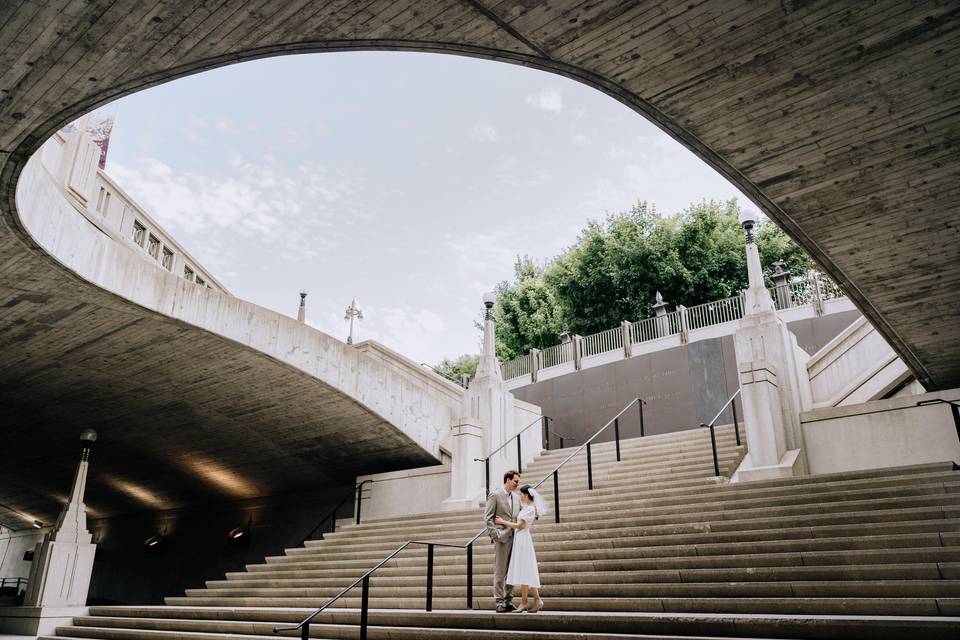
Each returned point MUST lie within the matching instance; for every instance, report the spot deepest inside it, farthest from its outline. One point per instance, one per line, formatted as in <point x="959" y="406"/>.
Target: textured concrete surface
<point x="838" y="119"/>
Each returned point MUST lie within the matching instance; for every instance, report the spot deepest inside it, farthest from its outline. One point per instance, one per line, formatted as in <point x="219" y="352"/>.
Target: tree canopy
<point x="614" y="269"/>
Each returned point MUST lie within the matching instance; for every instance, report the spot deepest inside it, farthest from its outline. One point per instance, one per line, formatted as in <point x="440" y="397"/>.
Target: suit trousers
<point x="502" y="592"/>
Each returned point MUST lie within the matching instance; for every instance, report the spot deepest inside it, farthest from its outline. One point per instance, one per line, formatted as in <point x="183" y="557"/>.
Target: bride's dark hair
<point x="525" y="490"/>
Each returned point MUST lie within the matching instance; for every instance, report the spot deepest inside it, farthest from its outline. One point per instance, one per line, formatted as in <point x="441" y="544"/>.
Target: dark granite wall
<point x="682" y="386"/>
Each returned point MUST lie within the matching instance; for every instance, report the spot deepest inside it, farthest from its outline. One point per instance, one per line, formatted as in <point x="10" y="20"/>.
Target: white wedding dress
<point x="523" y="559"/>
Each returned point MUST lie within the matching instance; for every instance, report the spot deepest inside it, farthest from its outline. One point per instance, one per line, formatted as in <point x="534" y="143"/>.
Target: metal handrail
<point x="613" y="421"/>
<point x="304" y="626"/>
<point x="517" y="435"/>
<point x="358" y="494"/>
<point x="459" y="383"/>
<point x="560" y="436"/>
<point x="713" y="435"/>
<point x="954" y="409"/>
<point x="486" y="461"/>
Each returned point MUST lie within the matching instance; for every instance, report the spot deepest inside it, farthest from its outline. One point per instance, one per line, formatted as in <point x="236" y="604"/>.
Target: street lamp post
<point x="353" y="311"/>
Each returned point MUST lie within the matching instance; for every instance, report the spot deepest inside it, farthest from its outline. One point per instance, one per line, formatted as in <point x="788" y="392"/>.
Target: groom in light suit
<point x="502" y="503"/>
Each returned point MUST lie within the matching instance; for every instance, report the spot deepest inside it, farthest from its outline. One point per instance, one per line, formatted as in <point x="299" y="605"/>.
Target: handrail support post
<point x="556" y="496"/>
<point x="429" y="577"/>
<point x="640" y="404"/>
<point x="736" y="426"/>
<point x="364" y="607"/>
<point x="589" y="468"/>
<point x="470" y="577"/>
<point x="616" y="435"/>
<point x="713" y="445"/>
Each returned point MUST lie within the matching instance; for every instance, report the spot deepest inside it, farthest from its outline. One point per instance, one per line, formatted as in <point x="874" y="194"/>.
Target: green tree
<point x="526" y="313"/>
<point x="614" y="269"/>
<point x="773" y="244"/>
<point x="455" y="369"/>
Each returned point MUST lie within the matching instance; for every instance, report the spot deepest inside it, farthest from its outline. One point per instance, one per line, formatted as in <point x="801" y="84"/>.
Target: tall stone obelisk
<point x="770" y="380"/>
<point x="485" y="422"/>
<point x="63" y="562"/>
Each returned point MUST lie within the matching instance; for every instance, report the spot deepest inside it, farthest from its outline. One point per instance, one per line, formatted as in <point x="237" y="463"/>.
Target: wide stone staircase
<point x="658" y="549"/>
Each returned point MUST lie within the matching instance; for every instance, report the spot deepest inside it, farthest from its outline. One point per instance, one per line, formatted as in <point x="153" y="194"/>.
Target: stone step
<point x="870" y="511"/>
<point x="935" y="570"/>
<point x="874" y="606"/>
<point x="629" y="459"/>
<point x="684" y="625"/>
<point x="715" y="501"/>
<point x="679" y="511"/>
<point x="852" y="536"/>
<point x="811" y="483"/>
<point x="848" y="588"/>
<point x="932" y="553"/>
<point x="687" y="439"/>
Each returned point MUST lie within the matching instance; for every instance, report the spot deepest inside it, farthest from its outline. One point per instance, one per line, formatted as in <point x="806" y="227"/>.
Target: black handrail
<point x="954" y="409"/>
<point x="713" y="435"/>
<point x="615" y="421"/>
<point x="364" y="580"/>
<point x="459" y="383"/>
<point x="561" y="437"/>
<point x="332" y="516"/>
<point x="486" y="461"/>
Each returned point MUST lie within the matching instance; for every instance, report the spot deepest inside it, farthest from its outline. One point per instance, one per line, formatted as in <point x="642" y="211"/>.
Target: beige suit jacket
<point x="498" y="504"/>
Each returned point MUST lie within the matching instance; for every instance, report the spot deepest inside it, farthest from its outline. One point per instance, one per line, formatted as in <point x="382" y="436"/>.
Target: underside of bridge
<point x="839" y="119"/>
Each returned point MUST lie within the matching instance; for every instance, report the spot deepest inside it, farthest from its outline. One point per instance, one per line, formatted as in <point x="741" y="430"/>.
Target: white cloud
<point x="484" y="132"/>
<point x="546" y="100"/>
<point x="302" y="211"/>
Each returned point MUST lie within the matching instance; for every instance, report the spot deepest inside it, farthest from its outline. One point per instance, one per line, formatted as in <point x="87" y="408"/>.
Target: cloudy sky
<point x="409" y="181"/>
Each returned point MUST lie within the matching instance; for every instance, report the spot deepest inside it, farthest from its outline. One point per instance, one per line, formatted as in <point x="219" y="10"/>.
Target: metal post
<point x="364" y="607"/>
<point x="429" y="577"/>
<point x="736" y="427"/>
<point x="470" y="576"/>
<point x="589" y="468"/>
<point x="305" y="631"/>
<point x="359" y="501"/>
<point x="546" y="432"/>
<point x="519" y="456"/>
<point x="486" y="464"/>
<point x="333" y="523"/>
<point x="640" y="403"/>
<point x="616" y="435"/>
<point x="561" y="442"/>
<point x="713" y="443"/>
<point x="955" y="411"/>
<point x="556" y="496"/>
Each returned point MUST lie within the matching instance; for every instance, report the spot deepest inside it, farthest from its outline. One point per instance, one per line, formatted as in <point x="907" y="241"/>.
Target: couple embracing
<point x="510" y="515"/>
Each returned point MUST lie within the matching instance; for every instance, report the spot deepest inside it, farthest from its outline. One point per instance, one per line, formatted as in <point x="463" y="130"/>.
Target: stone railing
<point x="812" y="290"/>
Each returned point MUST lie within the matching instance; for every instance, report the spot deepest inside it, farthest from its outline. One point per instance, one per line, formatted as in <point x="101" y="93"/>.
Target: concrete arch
<point x="835" y="118"/>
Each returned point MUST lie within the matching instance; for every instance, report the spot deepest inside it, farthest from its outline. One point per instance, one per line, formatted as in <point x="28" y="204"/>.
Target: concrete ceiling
<point x="839" y="119"/>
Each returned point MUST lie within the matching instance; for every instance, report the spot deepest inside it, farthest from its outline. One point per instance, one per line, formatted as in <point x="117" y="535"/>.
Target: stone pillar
<point x="769" y="376"/>
<point x="467" y="479"/>
<point x="534" y="364"/>
<point x="684" y="324"/>
<point x="63" y="562"/>
<point x="781" y="285"/>
<point x="577" y="352"/>
<point x="660" y="313"/>
<point x="627" y="339"/>
<point x="485" y="423"/>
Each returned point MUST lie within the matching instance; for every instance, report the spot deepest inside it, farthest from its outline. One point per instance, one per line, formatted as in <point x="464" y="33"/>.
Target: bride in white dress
<point x="523" y="569"/>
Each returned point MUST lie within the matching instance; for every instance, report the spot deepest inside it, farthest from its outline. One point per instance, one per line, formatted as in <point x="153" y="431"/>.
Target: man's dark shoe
<point x="508" y="607"/>
<point x="501" y="608"/>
